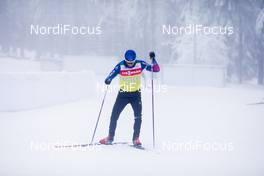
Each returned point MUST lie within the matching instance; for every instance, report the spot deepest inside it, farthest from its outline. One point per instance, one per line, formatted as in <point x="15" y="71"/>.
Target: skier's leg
<point x="119" y="105"/>
<point x="137" y="108"/>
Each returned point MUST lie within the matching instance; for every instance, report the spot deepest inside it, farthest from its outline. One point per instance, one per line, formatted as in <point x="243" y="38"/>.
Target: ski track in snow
<point x="183" y="114"/>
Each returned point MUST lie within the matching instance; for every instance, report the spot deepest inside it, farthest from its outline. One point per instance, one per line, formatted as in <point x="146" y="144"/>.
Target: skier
<point x="130" y="70"/>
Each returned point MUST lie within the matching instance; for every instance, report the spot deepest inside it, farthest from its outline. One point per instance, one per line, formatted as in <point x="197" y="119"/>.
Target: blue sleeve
<point x="148" y="67"/>
<point x="114" y="72"/>
<point x="144" y="65"/>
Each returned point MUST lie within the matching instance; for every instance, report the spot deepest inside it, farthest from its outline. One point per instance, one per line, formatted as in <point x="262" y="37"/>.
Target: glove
<point x="152" y="55"/>
<point x="107" y="81"/>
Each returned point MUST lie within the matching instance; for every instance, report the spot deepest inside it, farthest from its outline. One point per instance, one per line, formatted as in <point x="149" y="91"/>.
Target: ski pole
<point x="152" y="101"/>
<point x="99" y="115"/>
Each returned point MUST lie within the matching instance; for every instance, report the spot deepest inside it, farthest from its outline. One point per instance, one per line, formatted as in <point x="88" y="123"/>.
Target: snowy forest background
<point x="138" y="24"/>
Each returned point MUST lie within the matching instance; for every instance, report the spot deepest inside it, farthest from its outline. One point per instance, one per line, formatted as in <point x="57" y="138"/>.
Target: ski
<point x="258" y="103"/>
<point x="123" y="143"/>
<point x="113" y="143"/>
<point x="137" y="147"/>
<point x="87" y="145"/>
<point x="95" y="144"/>
<point x="71" y="146"/>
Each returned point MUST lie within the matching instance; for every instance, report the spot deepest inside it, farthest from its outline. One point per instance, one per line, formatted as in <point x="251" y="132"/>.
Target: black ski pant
<point x="124" y="98"/>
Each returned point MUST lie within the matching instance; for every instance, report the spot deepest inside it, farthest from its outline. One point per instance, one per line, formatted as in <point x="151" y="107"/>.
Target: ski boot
<point x="107" y="140"/>
<point x="136" y="142"/>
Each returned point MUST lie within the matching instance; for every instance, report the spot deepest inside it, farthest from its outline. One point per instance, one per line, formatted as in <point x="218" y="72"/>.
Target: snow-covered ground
<point x="199" y="131"/>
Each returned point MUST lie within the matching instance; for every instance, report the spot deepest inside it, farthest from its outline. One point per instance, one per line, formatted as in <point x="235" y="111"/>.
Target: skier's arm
<point x="112" y="74"/>
<point x="155" y="67"/>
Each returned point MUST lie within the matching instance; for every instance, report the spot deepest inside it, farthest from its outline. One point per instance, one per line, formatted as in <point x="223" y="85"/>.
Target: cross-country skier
<point x="130" y="70"/>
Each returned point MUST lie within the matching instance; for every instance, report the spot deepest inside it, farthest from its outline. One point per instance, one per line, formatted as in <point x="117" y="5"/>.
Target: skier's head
<point x="130" y="57"/>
